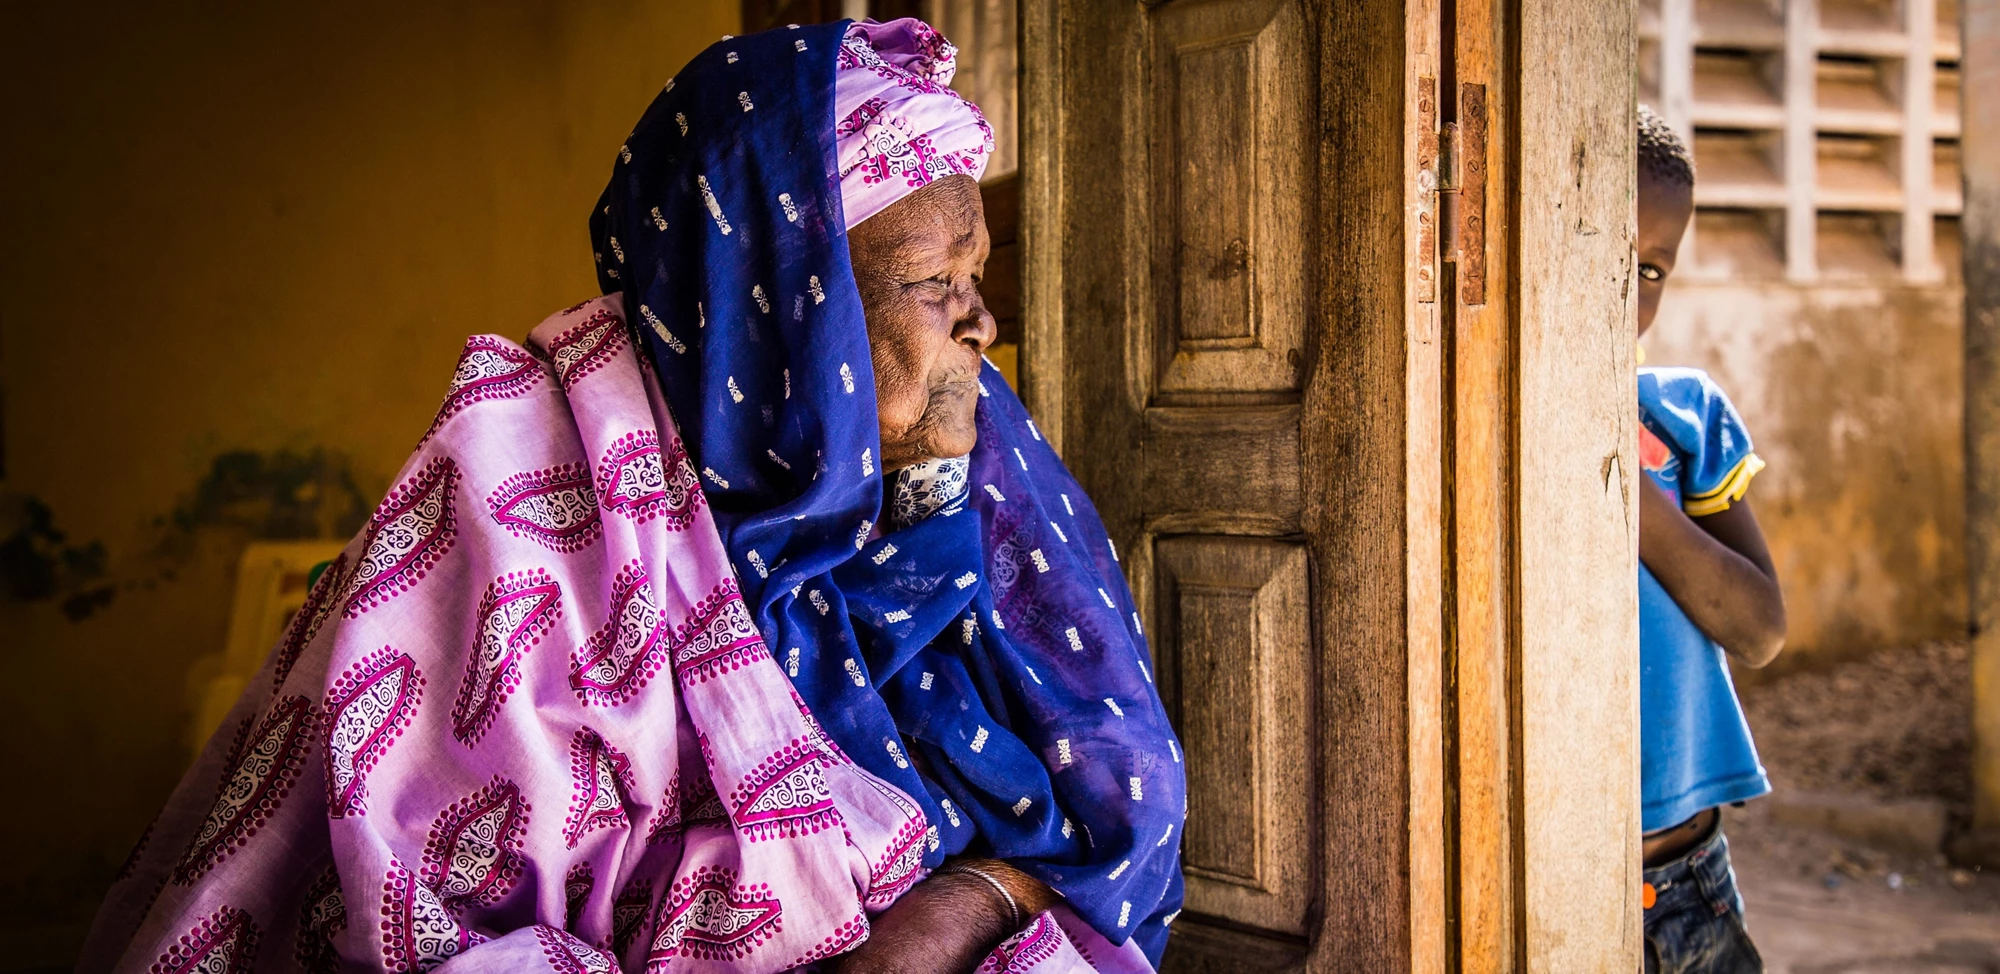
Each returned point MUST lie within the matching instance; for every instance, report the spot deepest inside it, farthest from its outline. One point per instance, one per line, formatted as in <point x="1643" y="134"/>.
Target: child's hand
<point x="1719" y="571"/>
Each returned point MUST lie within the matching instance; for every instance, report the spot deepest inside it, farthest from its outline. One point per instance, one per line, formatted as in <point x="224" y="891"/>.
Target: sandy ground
<point x="1818" y="905"/>
<point x="1893" y="725"/>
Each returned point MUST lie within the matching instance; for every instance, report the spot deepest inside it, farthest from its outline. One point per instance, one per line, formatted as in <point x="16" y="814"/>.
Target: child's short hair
<point x="1662" y="154"/>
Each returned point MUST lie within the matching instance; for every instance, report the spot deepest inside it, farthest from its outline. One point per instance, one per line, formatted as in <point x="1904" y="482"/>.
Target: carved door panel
<point x="1181" y="343"/>
<point x="1218" y="369"/>
<point x="1272" y="319"/>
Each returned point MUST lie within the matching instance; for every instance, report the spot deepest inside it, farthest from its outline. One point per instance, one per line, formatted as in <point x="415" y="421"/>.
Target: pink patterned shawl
<point x="525" y="723"/>
<point x="900" y="125"/>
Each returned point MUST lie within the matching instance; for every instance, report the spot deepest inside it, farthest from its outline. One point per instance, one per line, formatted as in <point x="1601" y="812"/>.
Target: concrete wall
<point x="240" y="245"/>
<point x="1854" y="396"/>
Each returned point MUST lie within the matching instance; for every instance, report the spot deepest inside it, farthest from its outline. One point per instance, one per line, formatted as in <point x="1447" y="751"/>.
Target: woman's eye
<point x="1651" y="272"/>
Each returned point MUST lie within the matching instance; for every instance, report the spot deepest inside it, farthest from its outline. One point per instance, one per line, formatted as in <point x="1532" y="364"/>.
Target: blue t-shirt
<point x="1695" y="747"/>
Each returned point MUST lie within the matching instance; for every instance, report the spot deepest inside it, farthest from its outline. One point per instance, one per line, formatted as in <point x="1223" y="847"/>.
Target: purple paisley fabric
<point x="525" y="722"/>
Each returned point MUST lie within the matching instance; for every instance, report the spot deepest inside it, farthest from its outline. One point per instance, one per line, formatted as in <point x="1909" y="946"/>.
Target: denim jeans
<point x="1696" y="923"/>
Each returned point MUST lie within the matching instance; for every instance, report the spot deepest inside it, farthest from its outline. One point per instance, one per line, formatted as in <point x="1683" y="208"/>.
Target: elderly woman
<point x="739" y="621"/>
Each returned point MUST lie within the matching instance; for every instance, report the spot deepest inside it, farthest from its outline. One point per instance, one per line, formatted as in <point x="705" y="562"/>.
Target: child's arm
<point x="1719" y="571"/>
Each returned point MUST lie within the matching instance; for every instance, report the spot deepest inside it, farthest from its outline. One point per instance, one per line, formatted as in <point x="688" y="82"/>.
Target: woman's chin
<point x="956" y="441"/>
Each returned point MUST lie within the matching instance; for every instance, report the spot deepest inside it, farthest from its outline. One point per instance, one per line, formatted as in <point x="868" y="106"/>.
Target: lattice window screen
<point x="1825" y="132"/>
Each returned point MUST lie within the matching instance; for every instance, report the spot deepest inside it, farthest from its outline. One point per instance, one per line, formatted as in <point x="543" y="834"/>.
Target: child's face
<point x="1664" y="209"/>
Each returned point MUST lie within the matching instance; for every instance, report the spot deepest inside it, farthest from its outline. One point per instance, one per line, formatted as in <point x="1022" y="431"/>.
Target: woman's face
<point x="918" y="265"/>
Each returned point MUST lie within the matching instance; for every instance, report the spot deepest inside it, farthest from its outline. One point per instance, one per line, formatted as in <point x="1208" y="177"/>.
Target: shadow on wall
<point x="243" y="247"/>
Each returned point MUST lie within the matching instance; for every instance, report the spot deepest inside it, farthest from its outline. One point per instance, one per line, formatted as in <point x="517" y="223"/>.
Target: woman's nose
<point x="976" y="327"/>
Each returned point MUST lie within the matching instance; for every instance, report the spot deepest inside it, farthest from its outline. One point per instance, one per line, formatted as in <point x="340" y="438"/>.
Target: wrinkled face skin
<point x="918" y="265"/>
<point x="1664" y="209"/>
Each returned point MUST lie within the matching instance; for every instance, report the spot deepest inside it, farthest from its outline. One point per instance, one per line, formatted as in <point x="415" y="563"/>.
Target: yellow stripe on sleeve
<point x="1728" y="492"/>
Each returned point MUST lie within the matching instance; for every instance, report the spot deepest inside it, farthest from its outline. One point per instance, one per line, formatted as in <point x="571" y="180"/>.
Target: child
<point x="1706" y="587"/>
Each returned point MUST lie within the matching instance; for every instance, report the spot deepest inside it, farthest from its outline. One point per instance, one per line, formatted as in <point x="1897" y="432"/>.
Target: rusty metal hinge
<point x="1451" y="192"/>
<point x="1469" y="163"/>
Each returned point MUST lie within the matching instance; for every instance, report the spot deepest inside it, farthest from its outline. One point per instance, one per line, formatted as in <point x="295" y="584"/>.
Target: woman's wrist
<point x="976" y="904"/>
<point x="948" y="922"/>
<point x="993" y="884"/>
<point x="951" y="920"/>
<point x="1030" y="895"/>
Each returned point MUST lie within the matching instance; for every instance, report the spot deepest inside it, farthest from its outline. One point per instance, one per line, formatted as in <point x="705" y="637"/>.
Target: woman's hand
<point x="949" y="922"/>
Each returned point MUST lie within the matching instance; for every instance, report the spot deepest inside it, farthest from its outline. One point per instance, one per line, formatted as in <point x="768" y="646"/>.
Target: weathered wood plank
<point x="1981" y="142"/>
<point x="1041" y="216"/>
<point x="1423" y="504"/>
<point x="1577" y="634"/>
<point x="1370" y="453"/>
<point x="1480" y="426"/>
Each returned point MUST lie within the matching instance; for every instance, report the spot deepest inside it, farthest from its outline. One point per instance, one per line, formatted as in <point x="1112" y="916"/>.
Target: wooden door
<point x="1372" y="481"/>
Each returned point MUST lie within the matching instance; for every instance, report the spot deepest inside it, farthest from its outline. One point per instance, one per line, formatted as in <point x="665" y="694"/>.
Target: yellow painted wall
<point x="1853" y="394"/>
<point x="257" y="227"/>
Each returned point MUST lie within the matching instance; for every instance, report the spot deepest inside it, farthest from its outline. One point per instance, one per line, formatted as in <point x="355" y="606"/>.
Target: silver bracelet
<point x="1013" y="908"/>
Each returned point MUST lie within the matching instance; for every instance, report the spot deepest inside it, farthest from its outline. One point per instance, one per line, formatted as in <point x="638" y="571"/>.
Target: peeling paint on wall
<point x="282" y="495"/>
<point x="39" y="563"/>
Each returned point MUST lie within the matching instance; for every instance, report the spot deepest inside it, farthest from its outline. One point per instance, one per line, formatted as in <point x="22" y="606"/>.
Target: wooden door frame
<point x="1495" y="828"/>
<point x="1981" y="166"/>
<point x="1577" y="488"/>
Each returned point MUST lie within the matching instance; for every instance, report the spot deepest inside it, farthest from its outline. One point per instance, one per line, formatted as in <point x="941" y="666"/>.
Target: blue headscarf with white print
<point x="989" y="629"/>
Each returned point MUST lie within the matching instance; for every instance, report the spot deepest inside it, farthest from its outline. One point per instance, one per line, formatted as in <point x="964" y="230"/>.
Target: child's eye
<point x="1651" y="272"/>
